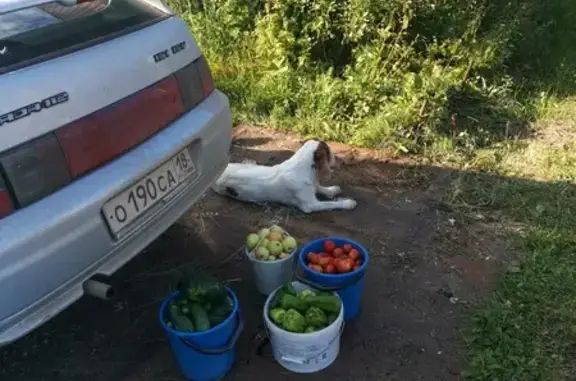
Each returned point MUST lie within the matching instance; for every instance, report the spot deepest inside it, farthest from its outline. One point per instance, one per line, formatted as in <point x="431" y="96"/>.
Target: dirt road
<point x="426" y="266"/>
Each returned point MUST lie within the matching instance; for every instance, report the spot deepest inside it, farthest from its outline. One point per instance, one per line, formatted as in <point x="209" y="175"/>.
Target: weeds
<point x="437" y="77"/>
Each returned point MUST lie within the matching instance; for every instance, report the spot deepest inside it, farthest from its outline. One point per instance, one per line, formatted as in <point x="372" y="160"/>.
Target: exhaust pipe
<point x="99" y="289"/>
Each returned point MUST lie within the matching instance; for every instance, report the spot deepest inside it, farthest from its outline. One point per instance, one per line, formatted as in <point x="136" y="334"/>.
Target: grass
<point x="488" y="85"/>
<point x="527" y="331"/>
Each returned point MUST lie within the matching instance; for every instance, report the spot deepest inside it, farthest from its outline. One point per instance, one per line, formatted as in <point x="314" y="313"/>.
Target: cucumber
<point x="174" y="310"/>
<point x="287" y="289"/>
<point x="199" y="317"/>
<point x="288" y="301"/>
<point x="220" y="312"/>
<point x="326" y="303"/>
<point x="181" y="322"/>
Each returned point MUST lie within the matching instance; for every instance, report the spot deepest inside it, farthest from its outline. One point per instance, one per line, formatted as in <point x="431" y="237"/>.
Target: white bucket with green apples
<point x="271" y="252"/>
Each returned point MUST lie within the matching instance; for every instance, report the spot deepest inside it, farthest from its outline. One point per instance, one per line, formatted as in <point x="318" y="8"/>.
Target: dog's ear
<point x="322" y="156"/>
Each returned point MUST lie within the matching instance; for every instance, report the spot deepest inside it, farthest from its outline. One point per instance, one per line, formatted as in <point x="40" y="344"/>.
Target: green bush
<point x="415" y="75"/>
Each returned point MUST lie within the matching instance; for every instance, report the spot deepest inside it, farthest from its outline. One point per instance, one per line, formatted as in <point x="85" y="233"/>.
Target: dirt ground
<point x="427" y="266"/>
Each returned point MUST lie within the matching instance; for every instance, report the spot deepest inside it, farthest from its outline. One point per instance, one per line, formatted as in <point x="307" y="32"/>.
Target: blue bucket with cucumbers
<point x="335" y="264"/>
<point x="203" y="323"/>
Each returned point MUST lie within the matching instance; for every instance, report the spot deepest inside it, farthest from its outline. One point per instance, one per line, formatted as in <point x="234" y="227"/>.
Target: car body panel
<point x="50" y="248"/>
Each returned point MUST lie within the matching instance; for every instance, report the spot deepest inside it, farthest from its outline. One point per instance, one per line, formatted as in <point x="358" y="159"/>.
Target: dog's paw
<point x="329" y="192"/>
<point x="333" y="191"/>
<point x="348" y="203"/>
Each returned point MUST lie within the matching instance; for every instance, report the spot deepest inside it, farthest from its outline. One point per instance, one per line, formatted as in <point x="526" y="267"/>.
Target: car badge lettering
<point x="32" y="108"/>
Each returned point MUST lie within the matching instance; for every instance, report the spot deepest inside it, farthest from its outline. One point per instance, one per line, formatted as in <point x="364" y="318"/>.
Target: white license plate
<point x="155" y="186"/>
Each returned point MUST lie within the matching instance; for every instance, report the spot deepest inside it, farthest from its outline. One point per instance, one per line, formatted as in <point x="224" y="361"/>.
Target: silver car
<point x="110" y="129"/>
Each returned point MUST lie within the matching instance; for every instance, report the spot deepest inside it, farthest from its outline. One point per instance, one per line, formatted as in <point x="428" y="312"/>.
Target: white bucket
<point x="304" y="352"/>
<point x="270" y="275"/>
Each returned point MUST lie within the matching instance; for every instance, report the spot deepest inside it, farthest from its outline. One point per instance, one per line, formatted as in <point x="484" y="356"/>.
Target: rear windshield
<point x="43" y="32"/>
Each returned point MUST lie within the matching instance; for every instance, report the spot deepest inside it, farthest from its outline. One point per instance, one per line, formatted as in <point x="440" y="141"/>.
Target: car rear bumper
<point x="49" y="249"/>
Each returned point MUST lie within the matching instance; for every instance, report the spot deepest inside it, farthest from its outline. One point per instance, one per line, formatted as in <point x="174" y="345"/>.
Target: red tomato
<point x="316" y="268"/>
<point x="335" y="264"/>
<point x="356" y="267"/>
<point x="353" y="254"/>
<point x="343" y="266"/>
<point x="324" y="261"/>
<point x="323" y="254"/>
<point x="358" y="262"/>
<point x="337" y="252"/>
<point x="309" y="256"/>
<point x="330" y="269"/>
<point x="329" y="246"/>
<point x="347" y="247"/>
<point x="314" y="258"/>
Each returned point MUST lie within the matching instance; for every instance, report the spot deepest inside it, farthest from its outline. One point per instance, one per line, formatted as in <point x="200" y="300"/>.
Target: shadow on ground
<point x="428" y="263"/>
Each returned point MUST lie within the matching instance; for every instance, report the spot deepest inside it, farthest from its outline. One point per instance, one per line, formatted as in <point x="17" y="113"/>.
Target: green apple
<point x="283" y="256"/>
<point x="275" y="248"/>
<point x="264" y="242"/>
<point x="263" y="233"/>
<point x="271" y="258"/>
<point x="289" y="244"/>
<point x="262" y="253"/>
<point x="275" y="236"/>
<point x="252" y="241"/>
<point x="276" y="229"/>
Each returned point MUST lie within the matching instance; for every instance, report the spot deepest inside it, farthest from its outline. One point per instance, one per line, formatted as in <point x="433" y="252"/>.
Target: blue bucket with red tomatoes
<point x="335" y="264"/>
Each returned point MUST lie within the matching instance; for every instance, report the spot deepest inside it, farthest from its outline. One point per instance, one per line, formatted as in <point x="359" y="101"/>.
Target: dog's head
<point x="323" y="159"/>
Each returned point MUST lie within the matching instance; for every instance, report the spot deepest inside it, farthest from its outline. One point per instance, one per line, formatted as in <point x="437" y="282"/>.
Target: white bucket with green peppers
<point x="271" y="271"/>
<point x="304" y="352"/>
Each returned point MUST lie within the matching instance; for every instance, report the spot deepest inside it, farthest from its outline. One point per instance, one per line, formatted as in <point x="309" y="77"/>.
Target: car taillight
<point x="196" y="83"/>
<point x="205" y="76"/>
<point x="190" y="86"/>
<point x="35" y="169"/>
<point x="6" y="206"/>
<point x="104" y="135"/>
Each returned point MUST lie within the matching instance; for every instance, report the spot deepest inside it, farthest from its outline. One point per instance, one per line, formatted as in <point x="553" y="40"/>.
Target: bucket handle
<point x="221" y="350"/>
<point x="296" y="271"/>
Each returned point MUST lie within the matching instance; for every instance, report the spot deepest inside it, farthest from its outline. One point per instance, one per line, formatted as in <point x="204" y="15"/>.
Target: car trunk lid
<point x="105" y="81"/>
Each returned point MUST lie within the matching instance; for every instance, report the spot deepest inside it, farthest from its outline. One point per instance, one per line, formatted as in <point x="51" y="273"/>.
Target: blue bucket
<point x="207" y="355"/>
<point x="349" y="286"/>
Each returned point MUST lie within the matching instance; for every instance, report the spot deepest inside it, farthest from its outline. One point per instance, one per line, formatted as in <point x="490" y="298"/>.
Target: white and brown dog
<point x="294" y="182"/>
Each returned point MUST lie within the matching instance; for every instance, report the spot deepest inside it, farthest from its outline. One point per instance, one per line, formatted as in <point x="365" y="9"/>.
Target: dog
<point x="295" y="182"/>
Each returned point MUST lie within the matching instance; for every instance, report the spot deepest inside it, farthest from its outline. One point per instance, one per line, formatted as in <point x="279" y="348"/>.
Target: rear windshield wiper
<point x="13" y="51"/>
